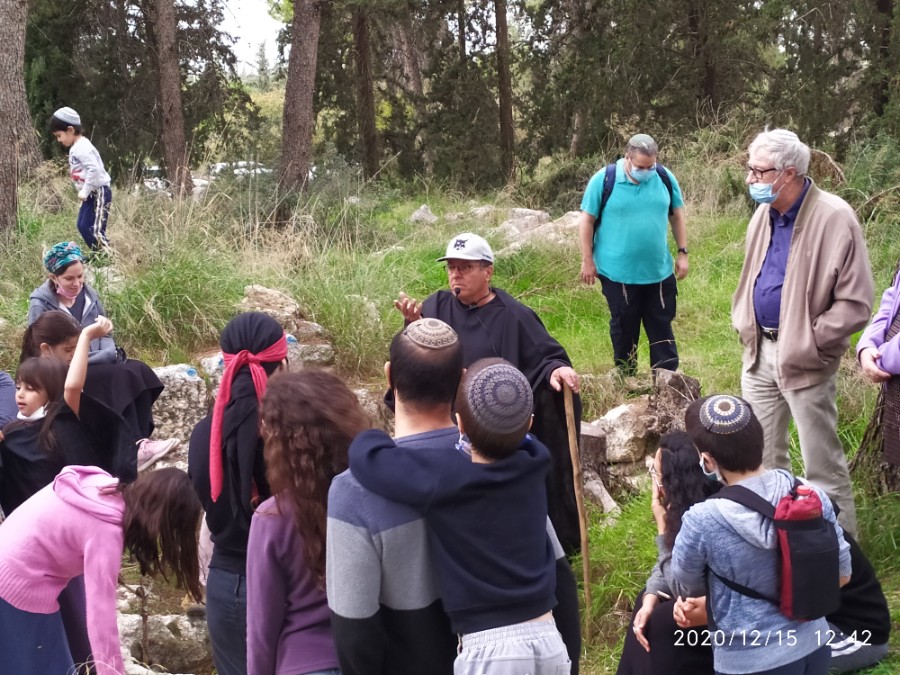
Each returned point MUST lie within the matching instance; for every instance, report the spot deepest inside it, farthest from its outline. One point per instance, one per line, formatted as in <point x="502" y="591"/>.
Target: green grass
<point x="184" y="268"/>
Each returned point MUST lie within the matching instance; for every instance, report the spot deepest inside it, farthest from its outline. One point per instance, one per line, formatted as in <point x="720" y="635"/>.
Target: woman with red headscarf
<point x="225" y="462"/>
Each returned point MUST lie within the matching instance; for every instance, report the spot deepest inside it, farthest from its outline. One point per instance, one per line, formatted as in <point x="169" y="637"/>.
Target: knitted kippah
<point x="724" y="414"/>
<point x="68" y="116"/>
<point x="500" y="398"/>
<point x="431" y="333"/>
<point x="62" y="254"/>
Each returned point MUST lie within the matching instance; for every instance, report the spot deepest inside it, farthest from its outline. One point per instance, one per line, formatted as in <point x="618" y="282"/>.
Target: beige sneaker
<point x="150" y="451"/>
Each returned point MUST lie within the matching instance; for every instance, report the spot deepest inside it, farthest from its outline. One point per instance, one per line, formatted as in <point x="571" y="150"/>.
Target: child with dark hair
<point x="47" y="434"/>
<point x="88" y="175"/>
<point x="721" y="539"/>
<point x="486" y="510"/>
<point x="80" y="525"/>
<point x="56" y="428"/>
<point x="677" y="483"/>
<point x="306" y="436"/>
<point x="226" y="465"/>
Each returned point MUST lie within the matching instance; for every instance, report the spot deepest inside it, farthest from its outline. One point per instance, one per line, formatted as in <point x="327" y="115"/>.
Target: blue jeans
<point x="226" y="616"/>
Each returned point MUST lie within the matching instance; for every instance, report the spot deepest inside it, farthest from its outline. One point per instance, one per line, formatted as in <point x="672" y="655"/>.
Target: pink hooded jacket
<point x="69" y="528"/>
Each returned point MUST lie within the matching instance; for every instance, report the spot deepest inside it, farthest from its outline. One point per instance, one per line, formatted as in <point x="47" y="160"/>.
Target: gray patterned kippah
<point x="431" y="333"/>
<point x="724" y="414"/>
<point x="67" y="115"/>
<point x="500" y="398"/>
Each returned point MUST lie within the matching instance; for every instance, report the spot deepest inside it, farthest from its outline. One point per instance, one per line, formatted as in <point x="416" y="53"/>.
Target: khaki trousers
<point x="814" y="410"/>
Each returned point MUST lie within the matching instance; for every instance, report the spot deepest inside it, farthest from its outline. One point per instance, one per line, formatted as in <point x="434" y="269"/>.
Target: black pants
<point x="632" y="304"/>
<point x="673" y="650"/>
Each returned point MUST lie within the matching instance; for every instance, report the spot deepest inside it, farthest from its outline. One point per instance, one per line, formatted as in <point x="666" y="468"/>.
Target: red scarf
<point x="233" y="363"/>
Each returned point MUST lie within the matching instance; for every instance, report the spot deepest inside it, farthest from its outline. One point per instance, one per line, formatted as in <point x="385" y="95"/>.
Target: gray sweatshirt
<point x="86" y="168"/>
<point x="741" y="545"/>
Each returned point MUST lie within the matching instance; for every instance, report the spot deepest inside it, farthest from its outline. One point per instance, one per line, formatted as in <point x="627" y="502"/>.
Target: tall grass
<point x="350" y="248"/>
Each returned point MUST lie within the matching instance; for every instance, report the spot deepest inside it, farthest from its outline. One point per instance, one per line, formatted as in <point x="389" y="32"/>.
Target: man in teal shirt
<point x="628" y="251"/>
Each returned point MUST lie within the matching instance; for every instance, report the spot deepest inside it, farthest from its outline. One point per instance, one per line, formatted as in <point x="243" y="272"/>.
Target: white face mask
<point x="40" y="413"/>
<point x="711" y="475"/>
<point x="464" y="445"/>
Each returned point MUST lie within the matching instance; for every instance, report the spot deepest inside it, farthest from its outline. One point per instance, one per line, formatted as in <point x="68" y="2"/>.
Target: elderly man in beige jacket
<point x="805" y="288"/>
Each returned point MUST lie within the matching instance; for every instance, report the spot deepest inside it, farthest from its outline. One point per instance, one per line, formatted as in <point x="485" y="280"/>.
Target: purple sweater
<point x="67" y="529"/>
<point x="873" y="335"/>
<point x="288" y="622"/>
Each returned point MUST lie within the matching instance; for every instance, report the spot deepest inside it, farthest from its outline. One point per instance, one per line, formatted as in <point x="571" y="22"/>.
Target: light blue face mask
<point x="643" y="175"/>
<point x="762" y="193"/>
<point x="711" y="475"/>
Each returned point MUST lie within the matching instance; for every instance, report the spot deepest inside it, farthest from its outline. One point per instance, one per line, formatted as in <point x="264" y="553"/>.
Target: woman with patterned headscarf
<point x="225" y="462"/>
<point x="127" y="386"/>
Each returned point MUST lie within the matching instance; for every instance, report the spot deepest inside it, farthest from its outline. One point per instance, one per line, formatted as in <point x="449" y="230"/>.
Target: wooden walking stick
<point x="579" y="500"/>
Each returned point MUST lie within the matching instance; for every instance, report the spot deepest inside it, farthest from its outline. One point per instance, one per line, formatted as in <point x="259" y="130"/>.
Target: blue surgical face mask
<point x="643" y="175"/>
<point x="762" y="193"/>
<point x="711" y="475"/>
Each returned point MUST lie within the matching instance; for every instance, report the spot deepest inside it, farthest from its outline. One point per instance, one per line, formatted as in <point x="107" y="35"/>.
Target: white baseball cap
<point x="468" y="246"/>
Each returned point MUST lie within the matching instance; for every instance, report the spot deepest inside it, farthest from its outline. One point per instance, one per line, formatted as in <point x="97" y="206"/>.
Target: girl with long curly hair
<point x="677" y="483"/>
<point x="307" y="421"/>
<point x="80" y="525"/>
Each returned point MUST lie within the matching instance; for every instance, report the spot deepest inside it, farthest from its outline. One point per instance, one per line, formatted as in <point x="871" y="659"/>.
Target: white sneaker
<point x="150" y="451"/>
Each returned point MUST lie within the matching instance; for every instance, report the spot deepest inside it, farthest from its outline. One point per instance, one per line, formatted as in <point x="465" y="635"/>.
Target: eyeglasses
<point x="463" y="268"/>
<point x="654" y="475"/>
<point x="759" y="174"/>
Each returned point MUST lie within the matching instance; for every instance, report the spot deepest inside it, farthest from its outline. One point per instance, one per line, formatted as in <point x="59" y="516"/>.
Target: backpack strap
<point x="667" y="181"/>
<point x="609" y="182"/>
<point x="748" y="498"/>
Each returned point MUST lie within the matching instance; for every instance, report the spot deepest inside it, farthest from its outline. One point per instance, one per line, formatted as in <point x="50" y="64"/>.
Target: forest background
<point x="375" y="107"/>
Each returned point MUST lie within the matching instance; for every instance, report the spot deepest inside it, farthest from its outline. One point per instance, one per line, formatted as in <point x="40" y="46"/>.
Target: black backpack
<point x="809" y="552"/>
<point x="609" y="182"/>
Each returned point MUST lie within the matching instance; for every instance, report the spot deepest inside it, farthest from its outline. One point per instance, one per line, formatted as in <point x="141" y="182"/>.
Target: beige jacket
<point x="827" y="293"/>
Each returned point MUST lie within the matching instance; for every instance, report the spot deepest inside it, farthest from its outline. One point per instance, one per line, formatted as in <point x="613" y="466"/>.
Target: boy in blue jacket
<point x="486" y="510"/>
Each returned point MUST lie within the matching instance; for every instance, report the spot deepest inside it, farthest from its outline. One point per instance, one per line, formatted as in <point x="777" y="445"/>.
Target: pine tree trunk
<point x="404" y="37"/>
<point x="461" y="30"/>
<point x="299" y="120"/>
<point x="365" y="95"/>
<point x="173" y="137"/>
<point x="881" y="93"/>
<point x="12" y="97"/>
<point x="19" y="139"/>
<point x="507" y="133"/>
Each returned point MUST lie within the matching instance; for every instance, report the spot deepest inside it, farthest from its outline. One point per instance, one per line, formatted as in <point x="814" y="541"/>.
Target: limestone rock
<point x="181" y="405"/>
<point x="423" y="214"/>
<point x="593" y="448"/>
<point x="521" y="222"/>
<point x="673" y="393"/>
<point x="280" y="306"/>
<point x="484" y="213"/>
<point x="560" y="232"/>
<point x="596" y="491"/>
<point x="628" y="436"/>
<point x="372" y="401"/>
<point x="309" y="330"/>
<point x="302" y="355"/>
<point x="176" y="643"/>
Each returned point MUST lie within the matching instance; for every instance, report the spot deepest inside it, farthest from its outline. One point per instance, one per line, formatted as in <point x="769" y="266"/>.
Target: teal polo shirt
<point x="631" y="244"/>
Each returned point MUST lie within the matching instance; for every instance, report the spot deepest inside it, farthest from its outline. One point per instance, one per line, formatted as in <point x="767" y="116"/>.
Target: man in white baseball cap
<point x="491" y="323"/>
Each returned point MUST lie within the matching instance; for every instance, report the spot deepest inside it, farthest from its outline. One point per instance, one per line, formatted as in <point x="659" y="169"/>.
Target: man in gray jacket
<point x="805" y="288"/>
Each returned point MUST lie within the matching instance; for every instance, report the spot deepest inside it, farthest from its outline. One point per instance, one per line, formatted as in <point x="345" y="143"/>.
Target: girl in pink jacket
<point x="80" y="525"/>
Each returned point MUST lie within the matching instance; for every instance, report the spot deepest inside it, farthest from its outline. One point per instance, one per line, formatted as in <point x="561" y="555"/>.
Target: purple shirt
<point x="876" y="333"/>
<point x="288" y="622"/>
<point x="767" y="291"/>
